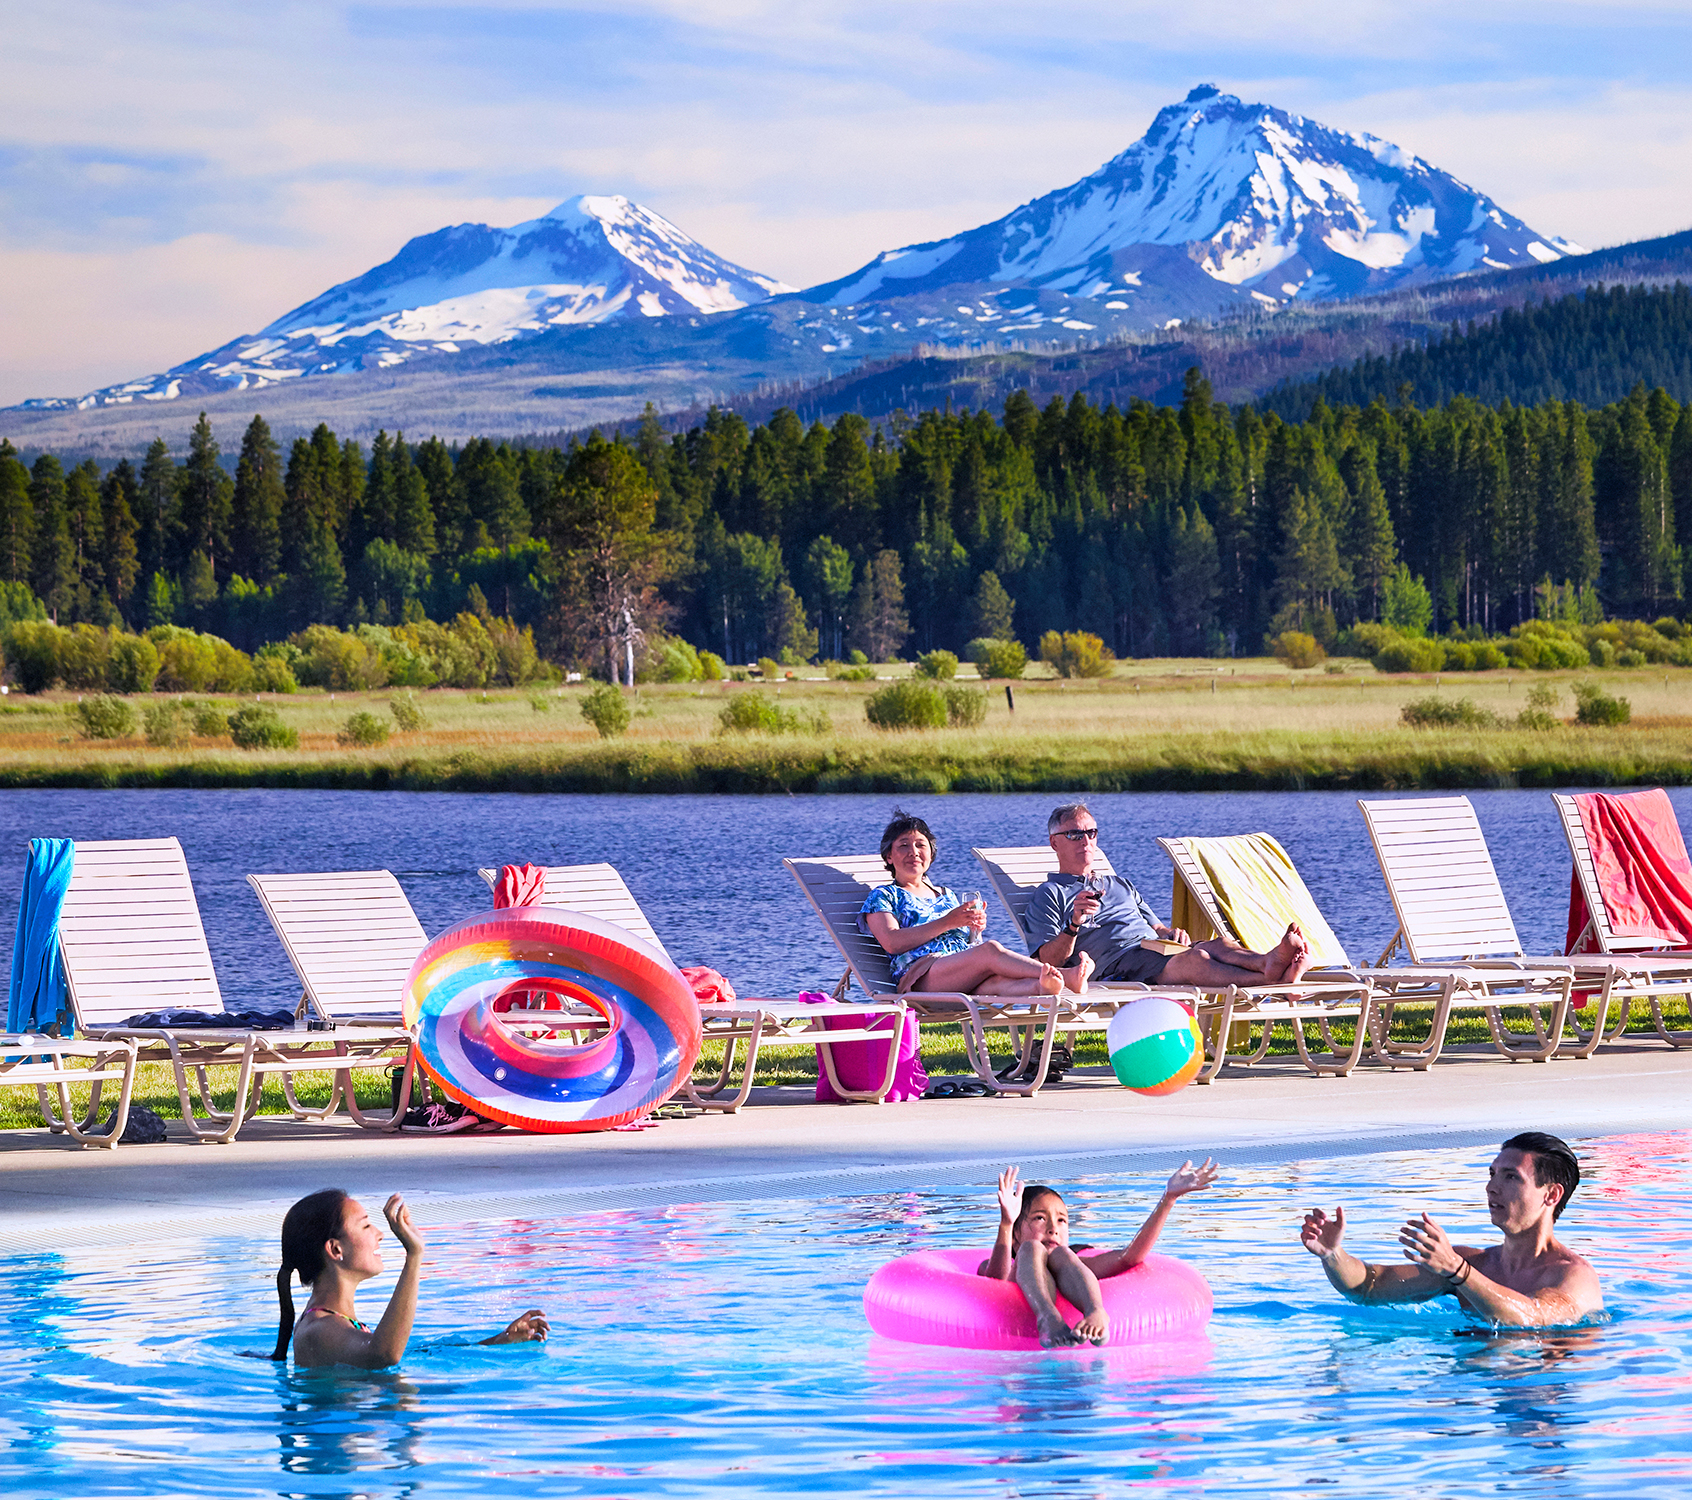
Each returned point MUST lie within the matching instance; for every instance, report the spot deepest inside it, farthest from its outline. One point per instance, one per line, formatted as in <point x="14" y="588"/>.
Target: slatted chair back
<point x="130" y="933"/>
<point x="1586" y="872"/>
<point x="1186" y="854"/>
<point x="595" y="891"/>
<point x="836" y="888"/>
<point x="351" y="936"/>
<point x="1441" y="878"/>
<point x="1016" y="873"/>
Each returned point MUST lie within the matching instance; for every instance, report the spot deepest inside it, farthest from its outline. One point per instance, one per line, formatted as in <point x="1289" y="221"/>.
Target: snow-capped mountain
<point x="591" y="260"/>
<point x="1257" y="200"/>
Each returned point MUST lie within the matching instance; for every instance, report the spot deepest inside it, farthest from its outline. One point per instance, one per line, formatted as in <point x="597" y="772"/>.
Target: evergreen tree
<point x="880" y="626"/>
<point x="318" y="589"/>
<point x="17" y="517"/>
<point x="1568" y="527"/>
<point x="1371" y="549"/>
<point x="120" y="562"/>
<point x="1680" y="487"/>
<point x="205" y="501"/>
<point x="493" y="499"/>
<point x="375" y="517"/>
<point x="87" y="536"/>
<point x="828" y="579"/>
<point x="992" y="610"/>
<point x="446" y="498"/>
<point x="1192" y="582"/>
<point x="156" y="510"/>
<point x="414" y="517"/>
<point x="52" y="554"/>
<point x="259" y="499"/>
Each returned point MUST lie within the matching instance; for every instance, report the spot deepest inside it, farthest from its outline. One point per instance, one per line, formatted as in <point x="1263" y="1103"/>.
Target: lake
<point x="708" y="870"/>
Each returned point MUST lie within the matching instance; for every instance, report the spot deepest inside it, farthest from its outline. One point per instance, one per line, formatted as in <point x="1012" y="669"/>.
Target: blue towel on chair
<point x="37" y="997"/>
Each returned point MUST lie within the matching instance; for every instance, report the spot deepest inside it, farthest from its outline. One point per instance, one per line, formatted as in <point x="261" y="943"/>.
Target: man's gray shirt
<point x="1121" y="921"/>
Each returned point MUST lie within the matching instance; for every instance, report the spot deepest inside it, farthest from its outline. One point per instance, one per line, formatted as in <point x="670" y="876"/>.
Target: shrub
<point x="676" y="661"/>
<point x="408" y="713"/>
<point x="1595" y="706"/>
<point x="165" y="724"/>
<point x="1299" y="650"/>
<point x="103" y="717"/>
<point x="1472" y="656"/>
<point x="32" y="649"/>
<point x="1559" y="651"/>
<point x="1541" y="699"/>
<point x="907" y="705"/>
<point x="210" y="722"/>
<point x="857" y="658"/>
<point x="1364" y="638"/>
<point x="1076" y="653"/>
<point x="1630" y="658"/>
<point x="363" y="730"/>
<point x="1003" y="659"/>
<point x="1447" y="713"/>
<point x="966" y="707"/>
<point x="712" y="668"/>
<point x="769" y="669"/>
<point x="1410" y="655"/>
<point x="272" y="673"/>
<point x="854" y="674"/>
<point x="258" y="727"/>
<point x="607" y="710"/>
<point x="133" y="666"/>
<point x="540" y="702"/>
<point x="1602" y="652"/>
<point x="760" y="713"/>
<point x="941" y="666"/>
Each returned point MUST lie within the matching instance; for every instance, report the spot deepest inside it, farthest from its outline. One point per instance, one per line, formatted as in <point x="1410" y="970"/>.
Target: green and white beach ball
<point x="1155" y="1046"/>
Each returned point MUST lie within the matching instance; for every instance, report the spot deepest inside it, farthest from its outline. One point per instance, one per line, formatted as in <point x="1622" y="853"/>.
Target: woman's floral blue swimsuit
<point x="910" y="910"/>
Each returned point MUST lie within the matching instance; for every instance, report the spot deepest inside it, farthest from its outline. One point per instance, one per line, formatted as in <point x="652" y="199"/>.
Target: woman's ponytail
<point x="306" y="1228"/>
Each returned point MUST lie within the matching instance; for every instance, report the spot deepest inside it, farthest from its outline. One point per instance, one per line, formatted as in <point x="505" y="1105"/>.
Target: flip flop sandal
<point x="946" y="1090"/>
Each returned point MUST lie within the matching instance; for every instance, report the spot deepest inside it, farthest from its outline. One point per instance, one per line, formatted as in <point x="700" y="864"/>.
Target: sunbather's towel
<point x="1259" y="893"/>
<point x="178" y="1018"/>
<point x="1644" y="875"/>
<point x="37" y="998"/>
<point x="709" y="987"/>
<point x="520" y="885"/>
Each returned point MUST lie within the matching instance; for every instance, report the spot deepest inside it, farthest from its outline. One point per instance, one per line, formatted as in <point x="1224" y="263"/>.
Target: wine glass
<point x="1093" y="885"/>
<point x="972" y="898"/>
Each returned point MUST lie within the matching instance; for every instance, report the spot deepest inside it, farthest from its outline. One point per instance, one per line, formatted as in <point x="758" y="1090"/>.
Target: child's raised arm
<point x="1186" y="1179"/>
<point x="1001" y="1264"/>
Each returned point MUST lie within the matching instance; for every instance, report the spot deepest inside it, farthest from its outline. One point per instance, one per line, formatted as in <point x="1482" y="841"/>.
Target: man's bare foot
<point x="1083" y="971"/>
<point x="1051" y="980"/>
<point x="1290" y="957"/>
<point x="1092" y="1328"/>
<point x="1056" y="1334"/>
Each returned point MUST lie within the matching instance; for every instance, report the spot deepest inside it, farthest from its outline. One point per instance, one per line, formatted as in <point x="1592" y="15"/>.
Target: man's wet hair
<point x="1032" y="1193"/>
<point x="1068" y="810"/>
<point x="1553" y="1161"/>
<point x="903" y="823"/>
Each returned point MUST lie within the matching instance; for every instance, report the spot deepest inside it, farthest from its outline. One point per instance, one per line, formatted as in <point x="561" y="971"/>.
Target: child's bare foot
<point x="1092" y="1328"/>
<point x="1055" y="1333"/>
<point x="1051" y="980"/>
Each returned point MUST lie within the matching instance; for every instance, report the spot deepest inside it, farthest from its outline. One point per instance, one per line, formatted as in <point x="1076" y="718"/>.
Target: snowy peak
<point x="1259" y="200"/>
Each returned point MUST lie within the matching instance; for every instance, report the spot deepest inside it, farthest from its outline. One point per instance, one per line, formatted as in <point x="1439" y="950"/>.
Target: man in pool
<point x="1529" y="1281"/>
<point x="1079" y="911"/>
<point x="1033" y="1250"/>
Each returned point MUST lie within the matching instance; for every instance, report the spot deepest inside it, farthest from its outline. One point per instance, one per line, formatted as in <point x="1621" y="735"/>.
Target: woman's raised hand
<point x="1010" y="1194"/>
<point x="399" y="1220"/>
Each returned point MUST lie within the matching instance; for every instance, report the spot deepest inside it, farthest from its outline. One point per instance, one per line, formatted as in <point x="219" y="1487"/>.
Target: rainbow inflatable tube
<point x="468" y="979"/>
<point x="935" y="1297"/>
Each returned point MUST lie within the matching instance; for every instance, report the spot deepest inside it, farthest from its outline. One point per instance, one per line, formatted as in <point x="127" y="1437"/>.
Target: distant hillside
<point x="1592" y="347"/>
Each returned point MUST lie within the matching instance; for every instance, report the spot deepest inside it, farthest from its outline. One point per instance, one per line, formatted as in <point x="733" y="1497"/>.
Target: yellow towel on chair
<point x="1258" y="892"/>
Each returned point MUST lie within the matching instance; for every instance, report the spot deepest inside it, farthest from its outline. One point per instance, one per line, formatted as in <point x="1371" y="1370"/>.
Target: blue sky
<point x="176" y="173"/>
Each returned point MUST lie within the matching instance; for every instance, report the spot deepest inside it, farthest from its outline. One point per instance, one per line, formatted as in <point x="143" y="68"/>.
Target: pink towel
<point x="520" y="885"/>
<point x="709" y="987"/>
<point x="862" y="1065"/>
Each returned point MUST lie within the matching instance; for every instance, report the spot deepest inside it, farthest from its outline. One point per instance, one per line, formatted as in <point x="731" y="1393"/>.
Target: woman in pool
<point x="330" y="1242"/>
<point x="1033" y="1250"/>
<point x="933" y="938"/>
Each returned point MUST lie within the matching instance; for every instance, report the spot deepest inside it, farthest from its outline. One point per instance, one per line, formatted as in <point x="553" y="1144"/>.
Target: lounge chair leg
<point x="1675" y="1039"/>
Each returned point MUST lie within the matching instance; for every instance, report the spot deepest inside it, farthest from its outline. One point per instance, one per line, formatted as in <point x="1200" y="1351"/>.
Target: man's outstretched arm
<point x="1358" y="1280"/>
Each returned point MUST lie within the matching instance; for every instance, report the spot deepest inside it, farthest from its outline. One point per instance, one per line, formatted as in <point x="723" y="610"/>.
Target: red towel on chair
<point x="1643" y="873"/>
<point x="520" y="885"/>
<point x="709" y="987"/>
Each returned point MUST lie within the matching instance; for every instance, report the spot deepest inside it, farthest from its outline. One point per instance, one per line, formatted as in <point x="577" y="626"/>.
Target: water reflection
<point x="341" y="1423"/>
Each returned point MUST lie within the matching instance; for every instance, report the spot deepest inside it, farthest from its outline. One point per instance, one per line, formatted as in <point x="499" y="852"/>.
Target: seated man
<point x="1079" y="912"/>
<point x="1530" y="1281"/>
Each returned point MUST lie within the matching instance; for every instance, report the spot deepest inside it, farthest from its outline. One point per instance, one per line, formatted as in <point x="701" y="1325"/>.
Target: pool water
<point x="722" y="1349"/>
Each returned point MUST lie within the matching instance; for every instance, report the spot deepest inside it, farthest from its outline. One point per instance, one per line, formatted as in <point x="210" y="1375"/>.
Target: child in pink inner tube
<point x="1033" y="1250"/>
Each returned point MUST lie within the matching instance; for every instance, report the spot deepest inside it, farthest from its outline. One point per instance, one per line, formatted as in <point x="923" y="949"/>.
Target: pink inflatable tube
<point x="935" y="1297"/>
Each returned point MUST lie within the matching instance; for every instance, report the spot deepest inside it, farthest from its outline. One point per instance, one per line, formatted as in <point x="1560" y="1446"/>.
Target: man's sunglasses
<point x="1077" y="835"/>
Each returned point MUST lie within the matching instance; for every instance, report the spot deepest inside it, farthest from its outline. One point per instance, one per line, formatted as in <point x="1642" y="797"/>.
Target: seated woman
<point x="330" y="1241"/>
<point x="933" y="939"/>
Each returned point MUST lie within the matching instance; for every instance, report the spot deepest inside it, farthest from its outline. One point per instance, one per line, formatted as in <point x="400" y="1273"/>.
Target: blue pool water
<point x="721" y="1349"/>
<point x="707" y="870"/>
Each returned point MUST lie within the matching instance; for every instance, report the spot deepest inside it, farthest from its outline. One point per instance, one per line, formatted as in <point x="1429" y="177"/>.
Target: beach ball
<point x="1155" y="1046"/>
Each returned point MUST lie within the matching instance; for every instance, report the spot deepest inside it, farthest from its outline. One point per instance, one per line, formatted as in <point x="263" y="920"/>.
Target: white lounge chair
<point x="1643" y="967"/>
<point x="836" y="889"/>
<point x="1015" y="873"/>
<point x="52" y="1064"/>
<point x="1440" y="988"/>
<point x="352" y="938"/>
<point x="598" y="890"/>
<point x="131" y="940"/>
<point x="1451" y="909"/>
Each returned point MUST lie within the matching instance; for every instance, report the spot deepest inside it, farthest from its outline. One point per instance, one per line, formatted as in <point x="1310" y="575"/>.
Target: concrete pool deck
<point x="782" y="1146"/>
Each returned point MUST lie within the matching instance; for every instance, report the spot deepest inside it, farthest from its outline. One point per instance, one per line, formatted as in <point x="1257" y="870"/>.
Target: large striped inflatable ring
<point x="465" y="982"/>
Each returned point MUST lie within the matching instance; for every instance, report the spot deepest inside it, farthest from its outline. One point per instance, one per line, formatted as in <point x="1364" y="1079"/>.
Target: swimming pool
<point x="721" y="1348"/>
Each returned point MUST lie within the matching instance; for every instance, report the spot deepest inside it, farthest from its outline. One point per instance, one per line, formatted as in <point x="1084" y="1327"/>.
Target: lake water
<point x="708" y="871"/>
<point x="721" y="1349"/>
